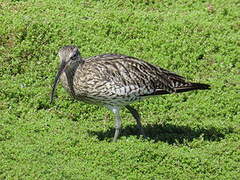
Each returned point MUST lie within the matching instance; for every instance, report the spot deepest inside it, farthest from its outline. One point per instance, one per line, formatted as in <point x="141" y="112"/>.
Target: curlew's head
<point x="67" y="55"/>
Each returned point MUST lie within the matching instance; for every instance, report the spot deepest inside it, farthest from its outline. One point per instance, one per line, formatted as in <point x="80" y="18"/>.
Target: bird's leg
<point x="137" y="118"/>
<point x="116" y="111"/>
<point x="117" y="127"/>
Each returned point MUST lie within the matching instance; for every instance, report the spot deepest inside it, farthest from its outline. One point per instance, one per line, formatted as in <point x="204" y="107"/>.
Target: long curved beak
<point x="60" y="71"/>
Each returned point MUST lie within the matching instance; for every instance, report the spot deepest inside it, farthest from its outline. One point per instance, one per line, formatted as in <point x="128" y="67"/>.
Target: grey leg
<point x="117" y="127"/>
<point x="116" y="111"/>
<point x="137" y="118"/>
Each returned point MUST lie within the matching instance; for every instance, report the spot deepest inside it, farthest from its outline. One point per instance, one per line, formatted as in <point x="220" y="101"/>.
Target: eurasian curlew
<point x="115" y="81"/>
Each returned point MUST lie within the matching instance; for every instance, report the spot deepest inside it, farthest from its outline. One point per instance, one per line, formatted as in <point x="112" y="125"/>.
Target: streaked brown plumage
<point x="114" y="81"/>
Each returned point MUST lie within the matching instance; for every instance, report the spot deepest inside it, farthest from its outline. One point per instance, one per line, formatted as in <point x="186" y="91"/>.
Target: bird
<point x="115" y="81"/>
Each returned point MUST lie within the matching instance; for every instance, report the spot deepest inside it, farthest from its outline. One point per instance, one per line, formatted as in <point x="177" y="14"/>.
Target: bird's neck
<point x="74" y="65"/>
<point x="70" y="73"/>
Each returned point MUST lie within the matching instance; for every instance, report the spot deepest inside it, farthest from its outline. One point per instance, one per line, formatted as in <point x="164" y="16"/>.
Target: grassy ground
<point x="193" y="135"/>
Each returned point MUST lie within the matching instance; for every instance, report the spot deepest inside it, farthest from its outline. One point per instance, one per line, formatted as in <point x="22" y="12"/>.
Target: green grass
<point x="193" y="135"/>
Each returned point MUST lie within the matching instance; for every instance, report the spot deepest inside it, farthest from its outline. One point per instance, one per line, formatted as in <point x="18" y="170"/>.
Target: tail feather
<point x="183" y="88"/>
<point x="192" y="86"/>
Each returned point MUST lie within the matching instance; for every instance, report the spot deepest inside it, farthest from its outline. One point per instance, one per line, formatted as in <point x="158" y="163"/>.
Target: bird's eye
<point x="74" y="56"/>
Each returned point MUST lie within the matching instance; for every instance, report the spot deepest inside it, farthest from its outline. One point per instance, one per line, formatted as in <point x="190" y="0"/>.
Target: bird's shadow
<point x="171" y="134"/>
